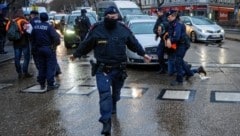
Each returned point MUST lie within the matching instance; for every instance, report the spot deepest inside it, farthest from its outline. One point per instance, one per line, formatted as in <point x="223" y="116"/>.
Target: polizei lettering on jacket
<point x="42" y="27"/>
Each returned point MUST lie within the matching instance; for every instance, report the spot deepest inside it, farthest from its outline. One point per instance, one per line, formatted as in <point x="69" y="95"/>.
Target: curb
<point x="233" y="39"/>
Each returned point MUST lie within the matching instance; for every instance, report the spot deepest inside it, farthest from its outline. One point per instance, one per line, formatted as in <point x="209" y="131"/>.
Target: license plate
<point x="215" y="35"/>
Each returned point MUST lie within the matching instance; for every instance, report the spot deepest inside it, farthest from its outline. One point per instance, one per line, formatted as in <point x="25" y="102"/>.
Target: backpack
<point x="13" y="32"/>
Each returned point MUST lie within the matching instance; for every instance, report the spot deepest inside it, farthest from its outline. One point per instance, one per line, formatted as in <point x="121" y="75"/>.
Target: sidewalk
<point x="10" y="54"/>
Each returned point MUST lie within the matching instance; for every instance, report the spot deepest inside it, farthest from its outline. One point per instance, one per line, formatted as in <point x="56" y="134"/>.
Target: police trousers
<point x="180" y="64"/>
<point x="109" y="86"/>
<point x="47" y="65"/>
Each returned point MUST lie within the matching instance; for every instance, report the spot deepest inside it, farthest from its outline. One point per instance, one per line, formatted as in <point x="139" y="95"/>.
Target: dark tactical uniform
<point x="109" y="46"/>
<point x="176" y="32"/>
<point x="35" y="20"/>
<point x="48" y="39"/>
<point x="83" y="24"/>
<point x="3" y="22"/>
<point x="161" y="21"/>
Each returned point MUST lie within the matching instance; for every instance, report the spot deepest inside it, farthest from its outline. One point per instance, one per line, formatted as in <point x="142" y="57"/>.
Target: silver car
<point x="203" y="29"/>
<point x="143" y="31"/>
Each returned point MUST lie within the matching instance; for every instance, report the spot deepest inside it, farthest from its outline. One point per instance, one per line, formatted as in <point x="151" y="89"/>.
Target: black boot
<point x="106" y="128"/>
<point x="201" y="70"/>
<point x="114" y="108"/>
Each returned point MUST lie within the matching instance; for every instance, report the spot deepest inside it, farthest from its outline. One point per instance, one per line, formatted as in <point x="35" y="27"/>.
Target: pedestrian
<point x="83" y="24"/>
<point x="62" y="24"/>
<point x="176" y="40"/>
<point x="3" y="22"/>
<point x="109" y="40"/>
<point x="47" y="40"/>
<point x="161" y="21"/>
<point x="21" y="46"/>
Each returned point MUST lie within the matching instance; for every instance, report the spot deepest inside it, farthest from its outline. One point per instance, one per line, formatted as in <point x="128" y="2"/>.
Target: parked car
<point x="143" y="31"/>
<point x="71" y="39"/>
<point x="127" y="18"/>
<point x="203" y="29"/>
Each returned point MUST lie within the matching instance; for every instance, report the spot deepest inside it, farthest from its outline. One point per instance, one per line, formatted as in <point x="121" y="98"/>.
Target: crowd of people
<point x="108" y="39"/>
<point x="174" y="42"/>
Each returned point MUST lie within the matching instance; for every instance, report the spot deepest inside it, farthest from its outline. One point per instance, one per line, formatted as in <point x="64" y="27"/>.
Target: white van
<point x="124" y="7"/>
<point x="27" y="10"/>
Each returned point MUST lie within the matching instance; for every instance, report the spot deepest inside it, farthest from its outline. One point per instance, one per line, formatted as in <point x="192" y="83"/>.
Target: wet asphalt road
<point x="73" y="109"/>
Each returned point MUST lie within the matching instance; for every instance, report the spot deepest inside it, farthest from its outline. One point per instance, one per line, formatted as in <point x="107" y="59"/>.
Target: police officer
<point x="3" y="22"/>
<point x="161" y="21"/>
<point x="109" y="40"/>
<point x="177" y="31"/>
<point x="34" y="19"/>
<point x="83" y="24"/>
<point x="48" y="39"/>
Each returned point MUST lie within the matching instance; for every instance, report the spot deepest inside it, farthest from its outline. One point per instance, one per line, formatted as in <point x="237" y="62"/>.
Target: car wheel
<point x="193" y="37"/>
<point x="218" y="41"/>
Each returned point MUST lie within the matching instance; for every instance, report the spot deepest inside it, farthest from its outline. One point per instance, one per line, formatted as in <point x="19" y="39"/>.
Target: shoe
<point x="188" y="77"/>
<point x="3" y="52"/>
<point x="175" y="83"/>
<point x="190" y="66"/>
<point x="85" y="56"/>
<point x="58" y="73"/>
<point x="20" y="76"/>
<point x="201" y="70"/>
<point x="114" y="108"/>
<point x="42" y="87"/>
<point x="161" y="71"/>
<point x="106" y="128"/>
<point x="28" y="75"/>
<point x="55" y="86"/>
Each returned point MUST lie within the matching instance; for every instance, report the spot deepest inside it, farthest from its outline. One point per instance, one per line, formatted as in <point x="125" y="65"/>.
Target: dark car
<point x="71" y="39"/>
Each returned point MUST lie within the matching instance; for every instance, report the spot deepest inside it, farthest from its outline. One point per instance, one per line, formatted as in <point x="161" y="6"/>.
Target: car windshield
<point x="142" y="27"/>
<point x="130" y="11"/>
<point x="71" y="20"/>
<point x="202" y="21"/>
<point x="58" y="17"/>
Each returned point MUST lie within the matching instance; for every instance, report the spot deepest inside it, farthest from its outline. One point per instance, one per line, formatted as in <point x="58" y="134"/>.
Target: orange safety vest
<point x="20" y="22"/>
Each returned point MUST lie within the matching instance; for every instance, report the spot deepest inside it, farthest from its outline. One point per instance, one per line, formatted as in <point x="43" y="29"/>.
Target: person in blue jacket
<point x="161" y="21"/>
<point x="176" y="34"/>
<point x="34" y="19"/>
<point x="109" y="40"/>
<point x="47" y="40"/>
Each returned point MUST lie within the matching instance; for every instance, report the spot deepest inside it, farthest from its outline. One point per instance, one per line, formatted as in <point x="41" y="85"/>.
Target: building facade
<point x="217" y="10"/>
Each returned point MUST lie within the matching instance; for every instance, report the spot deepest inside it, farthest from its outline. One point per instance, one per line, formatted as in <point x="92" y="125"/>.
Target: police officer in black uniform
<point x="83" y="23"/>
<point x="177" y="31"/>
<point x="47" y="39"/>
<point x="3" y="22"/>
<point x="34" y="19"/>
<point x="109" y="39"/>
<point x="161" y="21"/>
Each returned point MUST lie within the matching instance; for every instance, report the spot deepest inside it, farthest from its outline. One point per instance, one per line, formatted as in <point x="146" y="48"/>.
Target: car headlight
<point x="222" y="31"/>
<point x="68" y="31"/>
<point x="203" y="31"/>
